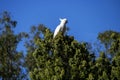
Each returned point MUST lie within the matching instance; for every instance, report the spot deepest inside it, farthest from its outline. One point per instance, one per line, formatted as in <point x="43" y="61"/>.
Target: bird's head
<point x="64" y="20"/>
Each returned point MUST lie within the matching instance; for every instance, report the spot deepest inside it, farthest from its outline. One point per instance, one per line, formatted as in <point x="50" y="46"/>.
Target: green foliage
<point x="35" y="34"/>
<point x="10" y="58"/>
<point x="61" y="58"/>
<point x="64" y="58"/>
<point x="111" y="41"/>
<point x="115" y="72"/>
<point x="102" y="67"/>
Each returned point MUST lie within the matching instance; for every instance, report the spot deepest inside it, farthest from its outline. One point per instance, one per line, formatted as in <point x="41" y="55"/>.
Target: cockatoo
<point x="61" y="27"/>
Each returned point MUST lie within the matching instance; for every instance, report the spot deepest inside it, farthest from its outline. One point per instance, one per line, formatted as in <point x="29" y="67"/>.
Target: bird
<point x="61" y="27"/>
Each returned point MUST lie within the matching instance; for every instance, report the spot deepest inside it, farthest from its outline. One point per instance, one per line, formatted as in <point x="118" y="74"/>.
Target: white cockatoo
<point x="61" y="27"/>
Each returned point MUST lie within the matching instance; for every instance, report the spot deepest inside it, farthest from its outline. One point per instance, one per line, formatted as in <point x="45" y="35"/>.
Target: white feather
<point x="61" y="27"/>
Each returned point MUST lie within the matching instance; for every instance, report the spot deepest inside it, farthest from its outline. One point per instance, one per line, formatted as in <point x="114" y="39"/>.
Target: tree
<point x="10" y="58"/>
<point x="115" y="48"/>
<point x="30" y="45"/>
<point x="115" y="71"/>
<point x="64" y="58"/>
<point x="111" y="40"/>
<point x="60" y="58"/>
<point x="102" y="67"/>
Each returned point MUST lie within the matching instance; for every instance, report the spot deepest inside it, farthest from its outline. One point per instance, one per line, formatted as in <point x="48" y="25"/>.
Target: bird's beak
<point x="66" y="21"/>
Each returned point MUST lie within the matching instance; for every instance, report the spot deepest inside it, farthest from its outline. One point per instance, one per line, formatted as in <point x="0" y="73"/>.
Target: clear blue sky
<point x="86" y="17"/>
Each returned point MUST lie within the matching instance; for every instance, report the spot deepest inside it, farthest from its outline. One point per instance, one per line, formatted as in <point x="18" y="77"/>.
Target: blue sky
<point x="86" y="18"/>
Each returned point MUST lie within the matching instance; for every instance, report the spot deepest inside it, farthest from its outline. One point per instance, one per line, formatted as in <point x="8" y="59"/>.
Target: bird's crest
<point x="63" y="20"/>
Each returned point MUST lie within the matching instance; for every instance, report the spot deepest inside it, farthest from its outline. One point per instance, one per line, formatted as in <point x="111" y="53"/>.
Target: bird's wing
<point x="64" y="29"/>
<point x="56" y="31"/>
